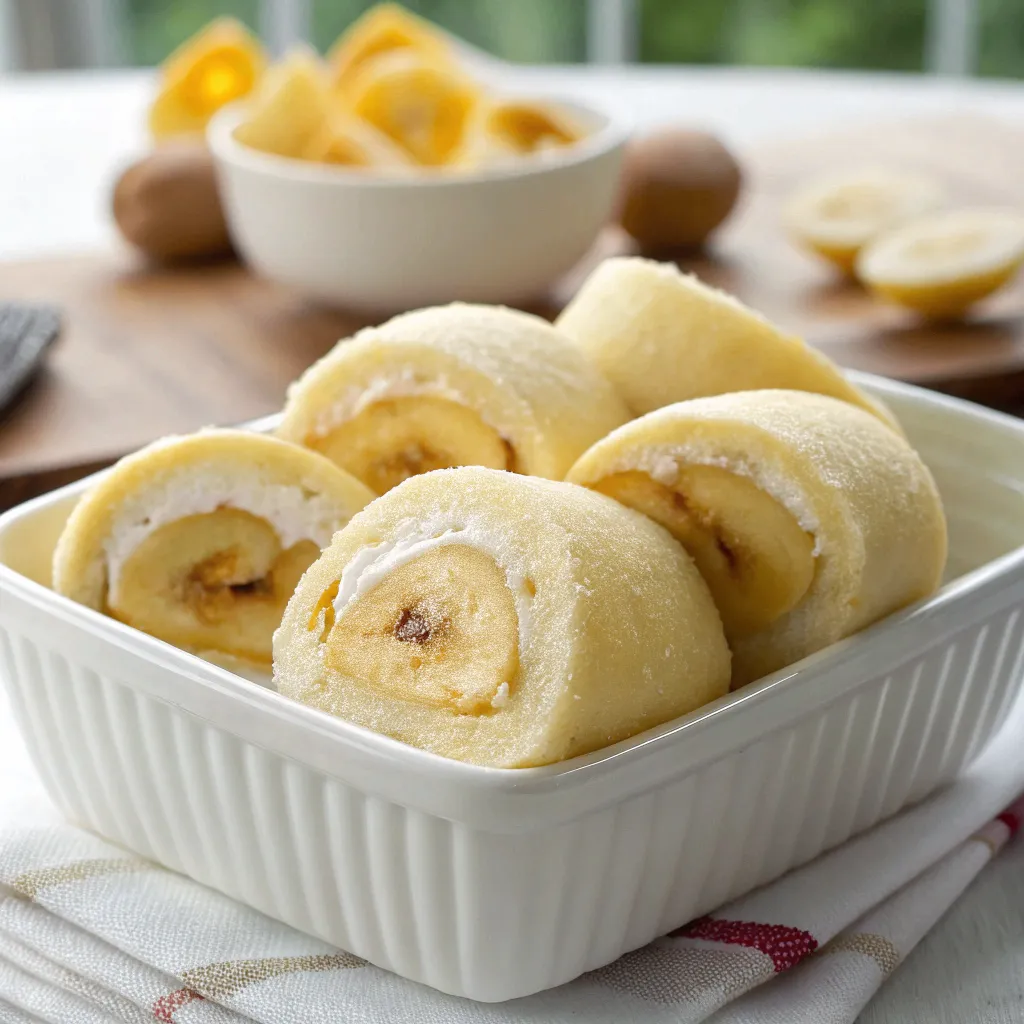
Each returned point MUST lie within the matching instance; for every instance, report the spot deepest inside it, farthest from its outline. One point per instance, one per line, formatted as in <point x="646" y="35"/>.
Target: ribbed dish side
<point x="494" y="916"/>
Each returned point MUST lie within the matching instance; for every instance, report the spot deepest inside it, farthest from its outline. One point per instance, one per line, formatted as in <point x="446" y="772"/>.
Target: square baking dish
<point x="495" y="883"/>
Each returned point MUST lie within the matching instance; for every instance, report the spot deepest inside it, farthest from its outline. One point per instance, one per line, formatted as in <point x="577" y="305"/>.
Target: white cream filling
<point x="406" y="383"/>
<point x="293" y="512"/>
<point x="661" y="463"/>
<point x="371" y="564"/>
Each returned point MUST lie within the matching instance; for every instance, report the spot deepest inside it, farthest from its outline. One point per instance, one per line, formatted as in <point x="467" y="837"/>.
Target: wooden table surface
<point x="149" y="351"/>
<point x="144" y="354"/>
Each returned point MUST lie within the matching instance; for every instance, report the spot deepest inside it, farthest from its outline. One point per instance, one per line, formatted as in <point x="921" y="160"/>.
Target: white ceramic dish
<point x="385" y="243"/>
<point x="496" y="883"/>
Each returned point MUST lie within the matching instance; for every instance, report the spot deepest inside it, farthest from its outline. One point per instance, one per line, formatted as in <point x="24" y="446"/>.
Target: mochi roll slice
<point x="808" y="518"/>
<point x="661" y="336"/>
<point x="452" y="386"/>
<point x="200" y="540"/>
<point x="502" y="620"/>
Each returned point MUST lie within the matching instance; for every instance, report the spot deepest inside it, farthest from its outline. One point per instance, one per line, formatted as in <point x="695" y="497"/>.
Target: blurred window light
<point x="612" y="31"/>
<point x="867" y="34"/>
<point x="953" y="37"/>
<point x="153" y="28"/>
<point x="536" y="31"/>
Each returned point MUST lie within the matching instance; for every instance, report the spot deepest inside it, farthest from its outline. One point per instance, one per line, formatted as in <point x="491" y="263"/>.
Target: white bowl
<point x="497" y="882"/>
<point x="380" y="243"/>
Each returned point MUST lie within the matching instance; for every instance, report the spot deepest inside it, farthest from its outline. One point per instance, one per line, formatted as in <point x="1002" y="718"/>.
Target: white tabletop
<point x="63" y="137"/>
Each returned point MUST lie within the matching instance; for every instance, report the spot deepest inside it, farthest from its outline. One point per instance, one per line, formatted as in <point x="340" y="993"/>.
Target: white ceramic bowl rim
<point x="613" y="130"/>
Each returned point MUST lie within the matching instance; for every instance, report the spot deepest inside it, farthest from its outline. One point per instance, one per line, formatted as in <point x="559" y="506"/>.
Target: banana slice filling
<point x="756" y="558"/>
<point x="502" y="620"/>
<point x="441" y="630"/>
<point x="213" y="581"/>
<point x="200" y="541"/>
<point x="393" y="439"/>
<point x="807" y="517"/>
<point x="452" y="386"/>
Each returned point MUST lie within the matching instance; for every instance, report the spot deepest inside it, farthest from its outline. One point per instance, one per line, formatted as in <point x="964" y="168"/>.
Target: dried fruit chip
<point x="222" y="63"/>
<point x="385" y="28"/>
<point x="351" y="142"/>
<point x="423" y="107"/>
<point x="291" y="107"/>
<point x="508" y="129"/>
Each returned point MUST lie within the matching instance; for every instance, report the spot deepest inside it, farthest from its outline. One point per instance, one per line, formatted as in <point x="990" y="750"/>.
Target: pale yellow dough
<point x="809" y="518"/>
<point x="502" y="620"/>
<point x="661" y="336"/>
<point x="200" y="540"/>
<point x="450" y="386"/>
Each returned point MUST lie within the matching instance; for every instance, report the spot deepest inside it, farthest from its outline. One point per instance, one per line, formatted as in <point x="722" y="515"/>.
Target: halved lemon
<point x="836" y="216"/>
<point x="218" y="65"/>
<point x="941" y="265"/>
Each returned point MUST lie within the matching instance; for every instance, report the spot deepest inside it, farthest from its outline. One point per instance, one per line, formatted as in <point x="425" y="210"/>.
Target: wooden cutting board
<point x="148" y="352"/>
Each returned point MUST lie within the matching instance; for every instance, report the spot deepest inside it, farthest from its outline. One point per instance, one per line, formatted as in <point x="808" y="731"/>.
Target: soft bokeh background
<point x="983" y="37"/>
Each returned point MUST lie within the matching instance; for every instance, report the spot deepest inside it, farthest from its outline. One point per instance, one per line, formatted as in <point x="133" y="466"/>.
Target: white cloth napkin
<point x="90" y="933"/>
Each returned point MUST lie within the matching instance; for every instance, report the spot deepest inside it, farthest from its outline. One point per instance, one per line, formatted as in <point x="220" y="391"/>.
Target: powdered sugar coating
<point x="621" y="632"/>
<point x="662" y="336"/>
<point x="853" y="484"/>
<point x="525" y="380"/>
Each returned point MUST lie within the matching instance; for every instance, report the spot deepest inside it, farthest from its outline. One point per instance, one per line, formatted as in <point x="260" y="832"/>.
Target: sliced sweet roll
<point x="452" y="386"/>
<point x="661" y="336"/>
<point x="200" y="540"/>
<point x="808" y="518"/>
<point x="502" y="620"/>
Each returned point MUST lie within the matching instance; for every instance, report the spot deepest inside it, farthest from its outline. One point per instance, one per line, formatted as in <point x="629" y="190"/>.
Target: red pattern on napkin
<point x="786" y="946"/>
<point x="164" y="1007"/>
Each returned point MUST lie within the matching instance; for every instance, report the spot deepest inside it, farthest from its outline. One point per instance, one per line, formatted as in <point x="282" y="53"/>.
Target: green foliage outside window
<point x="865" y="34"/>
<point x="155" y="27"/>
<point x="883" y="34"/>
<point x="542" y="31"/>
